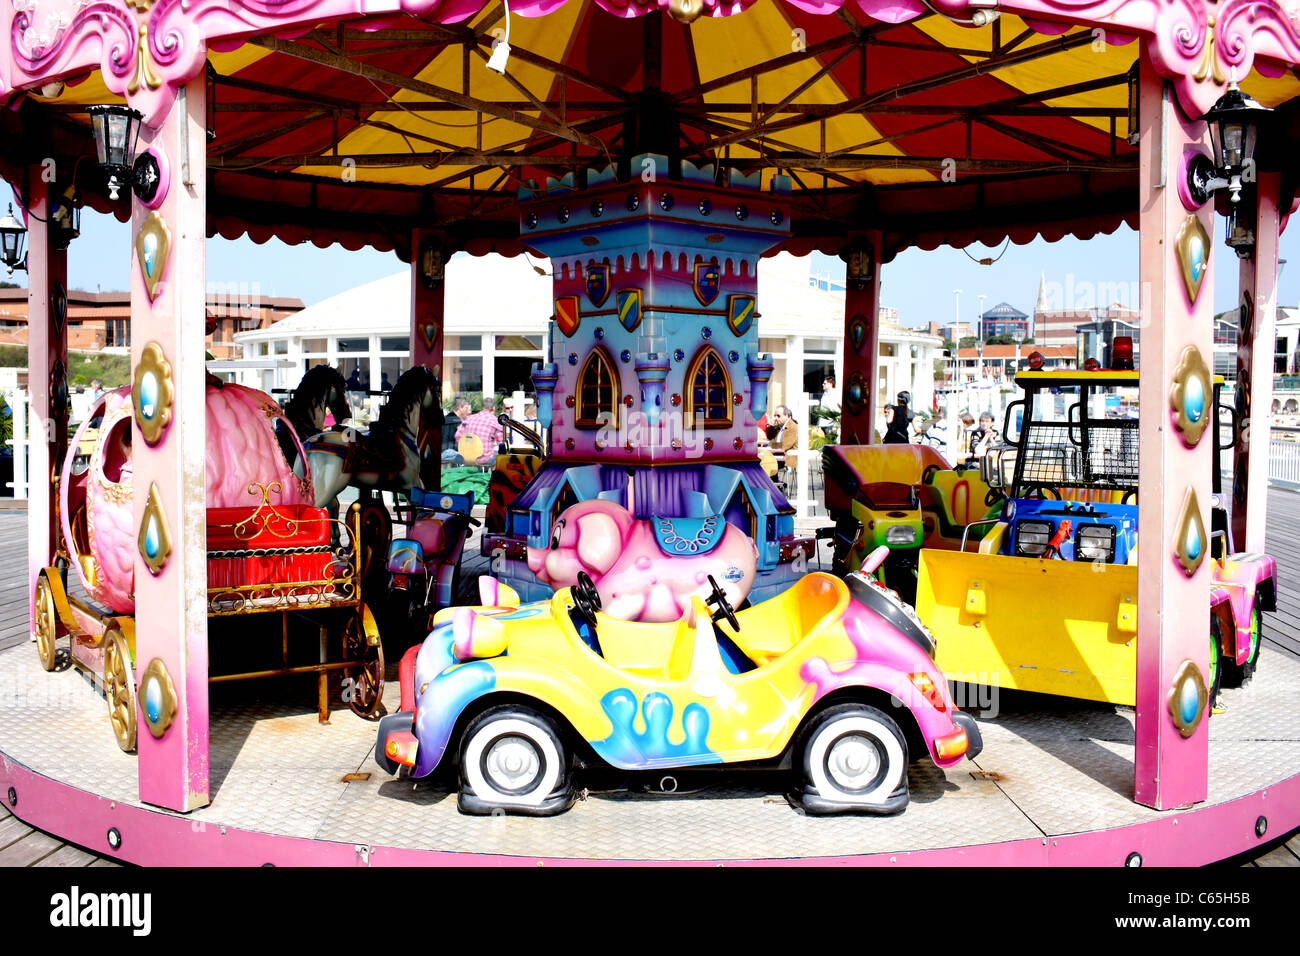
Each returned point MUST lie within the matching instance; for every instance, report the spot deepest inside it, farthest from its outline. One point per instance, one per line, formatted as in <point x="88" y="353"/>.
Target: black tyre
<point x="1237" y="675"/>
<point x="853" y="759"/>
<point x="514" y="761"/>
<point x="1214" y="680"/>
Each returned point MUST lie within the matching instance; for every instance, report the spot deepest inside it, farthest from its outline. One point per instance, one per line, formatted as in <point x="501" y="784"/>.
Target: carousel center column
<point x="1176" y="452"/>
<point x="170" y="497"/>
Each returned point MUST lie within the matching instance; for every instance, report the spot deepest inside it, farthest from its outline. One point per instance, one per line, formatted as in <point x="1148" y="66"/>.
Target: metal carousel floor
<point x="1051" y="786"/>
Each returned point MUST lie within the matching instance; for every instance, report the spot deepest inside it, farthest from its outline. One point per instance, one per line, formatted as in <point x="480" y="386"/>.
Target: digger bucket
<point x="1052" y="627"/>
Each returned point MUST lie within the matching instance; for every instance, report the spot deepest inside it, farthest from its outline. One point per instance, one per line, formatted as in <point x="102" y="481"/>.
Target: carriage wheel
<point x="47" y="624"/>
<point x="376" y="531"/>
<point x="368" y="679"/>
<point x="119" y="688"/>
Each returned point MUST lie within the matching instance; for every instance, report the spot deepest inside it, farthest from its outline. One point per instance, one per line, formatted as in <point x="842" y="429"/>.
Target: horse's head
<point x="323" y="389"/>
<point x="415" y="405"/>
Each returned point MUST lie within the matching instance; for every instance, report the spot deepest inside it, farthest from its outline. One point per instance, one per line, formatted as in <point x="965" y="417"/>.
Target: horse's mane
<point x="315" y="385"/>
<point x="410" y="389"/>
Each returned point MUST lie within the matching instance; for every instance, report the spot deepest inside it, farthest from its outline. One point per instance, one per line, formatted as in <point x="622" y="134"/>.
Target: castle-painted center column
<point x="1175" y="397"/>
<point x="169" y="439"/>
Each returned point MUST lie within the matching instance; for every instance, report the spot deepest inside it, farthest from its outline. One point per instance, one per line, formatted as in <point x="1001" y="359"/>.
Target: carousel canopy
<point x="929" y="129"/>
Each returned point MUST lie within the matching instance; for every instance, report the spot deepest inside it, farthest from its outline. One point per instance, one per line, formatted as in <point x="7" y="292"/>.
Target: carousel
<point x="649" y="653"/>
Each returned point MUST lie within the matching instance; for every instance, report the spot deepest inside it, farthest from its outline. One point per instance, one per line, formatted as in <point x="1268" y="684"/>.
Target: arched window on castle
<point x="708" y="391"/>
<point x="598" y="392"/>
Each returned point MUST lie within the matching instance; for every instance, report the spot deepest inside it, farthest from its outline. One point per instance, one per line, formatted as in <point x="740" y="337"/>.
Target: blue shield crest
<point x="598" y="284"/>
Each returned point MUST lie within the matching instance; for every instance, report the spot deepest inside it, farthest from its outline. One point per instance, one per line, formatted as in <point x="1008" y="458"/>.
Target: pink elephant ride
<point x="646" y="569"/>
<point x="243" y="460"/>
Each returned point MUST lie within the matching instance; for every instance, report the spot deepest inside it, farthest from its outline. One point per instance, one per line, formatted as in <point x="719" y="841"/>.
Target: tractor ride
<point x="1048" y="603"/>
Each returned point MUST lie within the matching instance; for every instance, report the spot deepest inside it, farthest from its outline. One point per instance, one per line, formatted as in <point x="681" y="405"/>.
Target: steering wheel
<point x="586" y="598"/>
<point x="1130" y="494"/>
<point x="719" y="600"/>
<point x="927" y="476"/>
<point x="993" y="497"/>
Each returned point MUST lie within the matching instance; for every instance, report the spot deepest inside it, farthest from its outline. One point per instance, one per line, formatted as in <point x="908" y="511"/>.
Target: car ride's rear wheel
<point x="1215" y="675"/>
<point x="514" y="761"/>
<point x="1234" y="674"/>
<point x="854" y="759"/>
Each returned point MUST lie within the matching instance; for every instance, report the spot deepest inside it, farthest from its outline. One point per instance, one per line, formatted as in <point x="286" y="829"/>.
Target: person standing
<point x="485" y="426"/>
<point x="898" y="421"/>
<point x="459" y="412"/>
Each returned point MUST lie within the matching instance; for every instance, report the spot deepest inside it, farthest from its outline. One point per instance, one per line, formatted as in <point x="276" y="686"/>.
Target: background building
<point x="497" y="313"/>
<point x="1004" y="319"/>
<point x="99" y="321"/>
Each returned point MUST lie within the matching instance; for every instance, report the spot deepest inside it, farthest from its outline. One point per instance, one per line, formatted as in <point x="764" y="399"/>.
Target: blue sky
<point x="918" y="284"/>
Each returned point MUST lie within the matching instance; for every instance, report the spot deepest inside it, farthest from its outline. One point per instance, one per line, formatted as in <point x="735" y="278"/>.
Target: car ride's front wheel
<point x="854" y="759"/>
<point x="514" y="761"/>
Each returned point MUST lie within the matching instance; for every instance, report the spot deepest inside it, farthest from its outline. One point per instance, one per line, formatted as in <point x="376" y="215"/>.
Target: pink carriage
<point x="269" y="552"/>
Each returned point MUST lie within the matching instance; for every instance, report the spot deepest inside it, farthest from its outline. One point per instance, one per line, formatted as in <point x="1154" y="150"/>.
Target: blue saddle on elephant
<point x="688" y="536"/>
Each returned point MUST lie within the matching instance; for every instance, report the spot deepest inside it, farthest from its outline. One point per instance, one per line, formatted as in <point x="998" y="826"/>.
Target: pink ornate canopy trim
<point x="147" y="49"/>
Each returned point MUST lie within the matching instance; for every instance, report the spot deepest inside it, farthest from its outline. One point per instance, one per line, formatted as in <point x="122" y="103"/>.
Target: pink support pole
<point x="428" y="311"/>
<point x="1255" y="344"/>
<point x="1173" y="605"/>
<point x="171" y="620"/>
<point x="47" y="364"/>
<point x="859" y="379"/>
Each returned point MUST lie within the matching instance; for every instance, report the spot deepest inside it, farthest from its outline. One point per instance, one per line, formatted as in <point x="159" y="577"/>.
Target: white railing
<point x="18" y="401"/>
<point x="1284" y="458"/>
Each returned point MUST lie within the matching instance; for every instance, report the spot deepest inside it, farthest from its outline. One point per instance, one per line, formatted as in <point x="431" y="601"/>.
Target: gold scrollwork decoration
<point x="144" y="72"/>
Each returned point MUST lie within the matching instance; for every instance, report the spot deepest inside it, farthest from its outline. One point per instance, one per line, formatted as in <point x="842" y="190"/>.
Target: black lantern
<point x="65" y="219"/>
<point x="13" y="236"/>
<point x="1234" y="123"/>
<point x="116" y="130"/>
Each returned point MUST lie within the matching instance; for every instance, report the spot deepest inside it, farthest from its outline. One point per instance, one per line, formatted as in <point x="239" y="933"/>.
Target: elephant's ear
<point x="600" y="541"/>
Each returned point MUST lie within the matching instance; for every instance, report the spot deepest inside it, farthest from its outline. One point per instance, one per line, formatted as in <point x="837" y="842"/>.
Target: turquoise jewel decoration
<point x="1190" y="396"/>
<point x="1192" y="247"/>
<point x="153" y="703"/>
<point x="148" y="395"/>
<point x="1194" y="399"/>
<point x="152" y="541"/>
<point x="1187" y="699"/>
<point x="1191" y="540"/>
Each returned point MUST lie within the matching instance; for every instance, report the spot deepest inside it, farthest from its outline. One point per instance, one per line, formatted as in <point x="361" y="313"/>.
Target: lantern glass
<point x="1234" y="123"/>
<point x="116" y="129"/>
<point x="13" y="236"/>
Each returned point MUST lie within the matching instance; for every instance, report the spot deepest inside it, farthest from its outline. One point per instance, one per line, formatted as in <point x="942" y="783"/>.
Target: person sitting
<point x="981" y="440"/>
<point x="785" y="442"/>
<point x="486" y="428"/>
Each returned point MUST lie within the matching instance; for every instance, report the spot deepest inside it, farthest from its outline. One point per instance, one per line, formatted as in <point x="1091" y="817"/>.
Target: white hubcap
<point x="512" y="762"/>
<point x="854" y="761"/>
